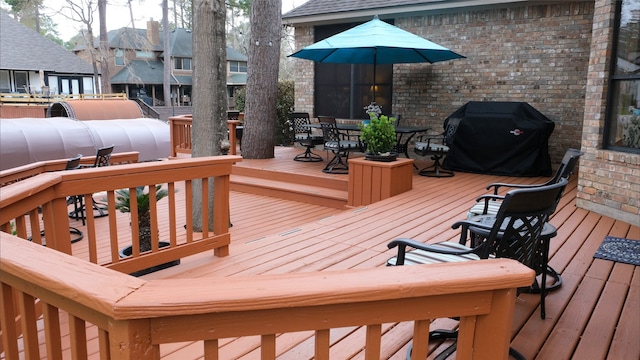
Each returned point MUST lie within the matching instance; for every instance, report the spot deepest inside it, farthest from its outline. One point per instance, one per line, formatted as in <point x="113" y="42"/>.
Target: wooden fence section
<point x="180" y="127"/>
<point x="45" y="196"/>
<point x="133" y="317"/>
<point x="12" y="175"/>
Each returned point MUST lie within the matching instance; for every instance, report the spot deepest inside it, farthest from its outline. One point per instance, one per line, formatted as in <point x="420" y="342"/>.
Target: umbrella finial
<point x="375" y="16"/>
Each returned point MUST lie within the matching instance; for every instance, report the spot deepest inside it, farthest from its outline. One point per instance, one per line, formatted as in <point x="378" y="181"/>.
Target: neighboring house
<point x="575" y="61"/>
<point x="31" y="63"/>
<point x="136" y="64"/>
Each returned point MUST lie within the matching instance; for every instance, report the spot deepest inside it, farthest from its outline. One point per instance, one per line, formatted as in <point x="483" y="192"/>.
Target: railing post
<point x="233" y="124"/>
<point x="56" y="225"/>
<point x="131" y="340"/>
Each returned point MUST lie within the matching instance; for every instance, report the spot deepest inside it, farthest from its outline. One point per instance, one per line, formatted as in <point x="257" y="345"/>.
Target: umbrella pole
<point x="375" y="58"/>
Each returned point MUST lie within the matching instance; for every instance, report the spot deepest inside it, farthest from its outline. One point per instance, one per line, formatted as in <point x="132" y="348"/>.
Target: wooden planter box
<point x="372" y="181"/>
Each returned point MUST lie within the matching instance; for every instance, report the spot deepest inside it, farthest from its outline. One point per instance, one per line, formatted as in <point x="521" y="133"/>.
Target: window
<point x="119" y="57"/>
<point x="623" y="121"/>
<point x="144" y="54"/>
<point x="238" y="66"/>
<point x="22" y="81"/>
<point x="183" y="64"/>
<point x="5" y="83"/>
<point x="343" y="90"/>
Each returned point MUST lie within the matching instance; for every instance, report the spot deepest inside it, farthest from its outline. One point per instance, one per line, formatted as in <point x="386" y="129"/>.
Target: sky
<point x="118" y="15"/>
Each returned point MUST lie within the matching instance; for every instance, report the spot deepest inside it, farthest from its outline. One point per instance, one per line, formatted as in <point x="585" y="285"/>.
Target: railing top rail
<point x="323" y="288"/>
<point x="8" y="176"/>
<point x="124" y="297"/>
<point x="86" y="283"/>
<point x="128" y="175"/>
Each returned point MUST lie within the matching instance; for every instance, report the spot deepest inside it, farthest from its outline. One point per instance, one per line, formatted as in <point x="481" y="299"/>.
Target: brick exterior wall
<point x="609" y="181"/>
<point x="303" y="72"/>
<point x="538" y="54"/>
<point x="541" y="54"/>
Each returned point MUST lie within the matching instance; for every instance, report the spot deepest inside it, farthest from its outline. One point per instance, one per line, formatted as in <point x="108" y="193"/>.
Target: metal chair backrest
<point x="330" y="134"/>
<point x="567" y="166"/>
<point x="74" y="162"/>
<point x="450" y="127"/>
<point x="233" y="115"/>
<point x="300" y="120"/>
<point x="103" y="156"/>
<point x="520" y="221"/>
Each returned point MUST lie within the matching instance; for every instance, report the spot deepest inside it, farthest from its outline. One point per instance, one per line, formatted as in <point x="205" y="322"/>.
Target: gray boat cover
<point x="27" y="140"/>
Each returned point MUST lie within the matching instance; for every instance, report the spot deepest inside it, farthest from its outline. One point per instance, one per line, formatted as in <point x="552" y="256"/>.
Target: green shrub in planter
<point x="379" y="135"/>
<point x="123" y="203"/>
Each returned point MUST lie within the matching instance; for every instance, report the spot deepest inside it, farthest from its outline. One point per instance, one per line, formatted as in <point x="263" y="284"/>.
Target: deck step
<point x="329" y="181"/>
<point x="318" y="194"/>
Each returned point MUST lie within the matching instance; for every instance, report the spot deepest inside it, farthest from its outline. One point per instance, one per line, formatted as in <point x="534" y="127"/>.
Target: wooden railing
<point x="12" y="175"/>
<point x="42" y="99"/>
<point x="181" y="135"/>
<point x="129" y="318"/>
<point x="44" y="199"/>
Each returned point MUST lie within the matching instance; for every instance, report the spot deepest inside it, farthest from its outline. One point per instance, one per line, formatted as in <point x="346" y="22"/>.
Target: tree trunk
<point x="104" y="48"/>
<point x="258" y="138"/>
<point x="209" y="124"/>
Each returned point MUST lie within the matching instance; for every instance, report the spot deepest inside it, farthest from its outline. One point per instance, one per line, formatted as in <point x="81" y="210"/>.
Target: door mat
<point x="619" y="249"/>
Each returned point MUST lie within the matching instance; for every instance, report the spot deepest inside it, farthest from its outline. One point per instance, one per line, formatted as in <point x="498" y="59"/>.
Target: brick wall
<point x="538" y="54"/>
<point x="303" y="72"/>
<point x="609" y="181"/>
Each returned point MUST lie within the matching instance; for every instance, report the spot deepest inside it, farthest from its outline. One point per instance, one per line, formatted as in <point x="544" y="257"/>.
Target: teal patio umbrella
<point x="376" y="42"/>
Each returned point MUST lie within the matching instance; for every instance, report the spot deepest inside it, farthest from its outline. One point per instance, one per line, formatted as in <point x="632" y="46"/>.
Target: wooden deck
<point x="594" y="315"/>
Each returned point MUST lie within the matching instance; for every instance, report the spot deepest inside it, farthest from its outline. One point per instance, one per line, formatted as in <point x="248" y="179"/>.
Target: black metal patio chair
<point x="514" y="233"/>
<point x="103" y="158"/>
<point x="437" y="146"/>
<point x="490" y="203"/>
<point x="339" y="144"/>
<point x="305" y="137"/>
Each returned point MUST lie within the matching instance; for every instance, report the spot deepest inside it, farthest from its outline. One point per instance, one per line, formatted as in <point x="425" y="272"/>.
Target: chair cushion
<point x="478" y="208"/>
<point x="349" y="144"/>
<point x="422" y="146"/>
<point x="418" y="256"/>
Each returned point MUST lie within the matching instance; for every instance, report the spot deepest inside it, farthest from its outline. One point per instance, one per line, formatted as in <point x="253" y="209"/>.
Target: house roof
<point x="152" y="73"/>
<point x="146" y="72"/>
<point x="327" y="11"/>
<point x="21" y="48"/>
<point x="136" y="39"/>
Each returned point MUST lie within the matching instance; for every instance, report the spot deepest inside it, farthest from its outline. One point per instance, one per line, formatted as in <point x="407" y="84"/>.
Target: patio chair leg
<point x="436" y="169"/>
<point x="308" y="156"/>
<point x="337" y="165"/>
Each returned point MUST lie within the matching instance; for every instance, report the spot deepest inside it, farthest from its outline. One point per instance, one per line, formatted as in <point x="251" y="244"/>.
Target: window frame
<point x="118" y="57"/>
<point x="614" y="81"/>
<point x="181" y="61"/>
<point x="239" y="65"/>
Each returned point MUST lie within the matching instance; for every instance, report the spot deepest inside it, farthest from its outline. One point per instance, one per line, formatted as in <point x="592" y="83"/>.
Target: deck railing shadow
<point x="134" y="317"/>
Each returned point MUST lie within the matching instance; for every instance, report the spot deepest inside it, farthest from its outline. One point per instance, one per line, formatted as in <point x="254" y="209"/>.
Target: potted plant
<point x="123" y="203"/>
<point x="379" y="137"/>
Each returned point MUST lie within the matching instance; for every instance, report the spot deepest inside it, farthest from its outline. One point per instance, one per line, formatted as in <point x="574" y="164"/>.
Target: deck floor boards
<point x="595" y="314"/>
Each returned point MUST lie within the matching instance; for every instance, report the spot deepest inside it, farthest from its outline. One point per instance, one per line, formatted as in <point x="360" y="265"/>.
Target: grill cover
<point x="500" y="138"/>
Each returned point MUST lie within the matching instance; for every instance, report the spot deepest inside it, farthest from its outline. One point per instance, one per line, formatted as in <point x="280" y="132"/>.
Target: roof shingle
<point x="21" y="48"/>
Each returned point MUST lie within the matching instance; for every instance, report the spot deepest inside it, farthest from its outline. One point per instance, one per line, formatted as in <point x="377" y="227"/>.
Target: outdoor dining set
<point x="341" y="139"/>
